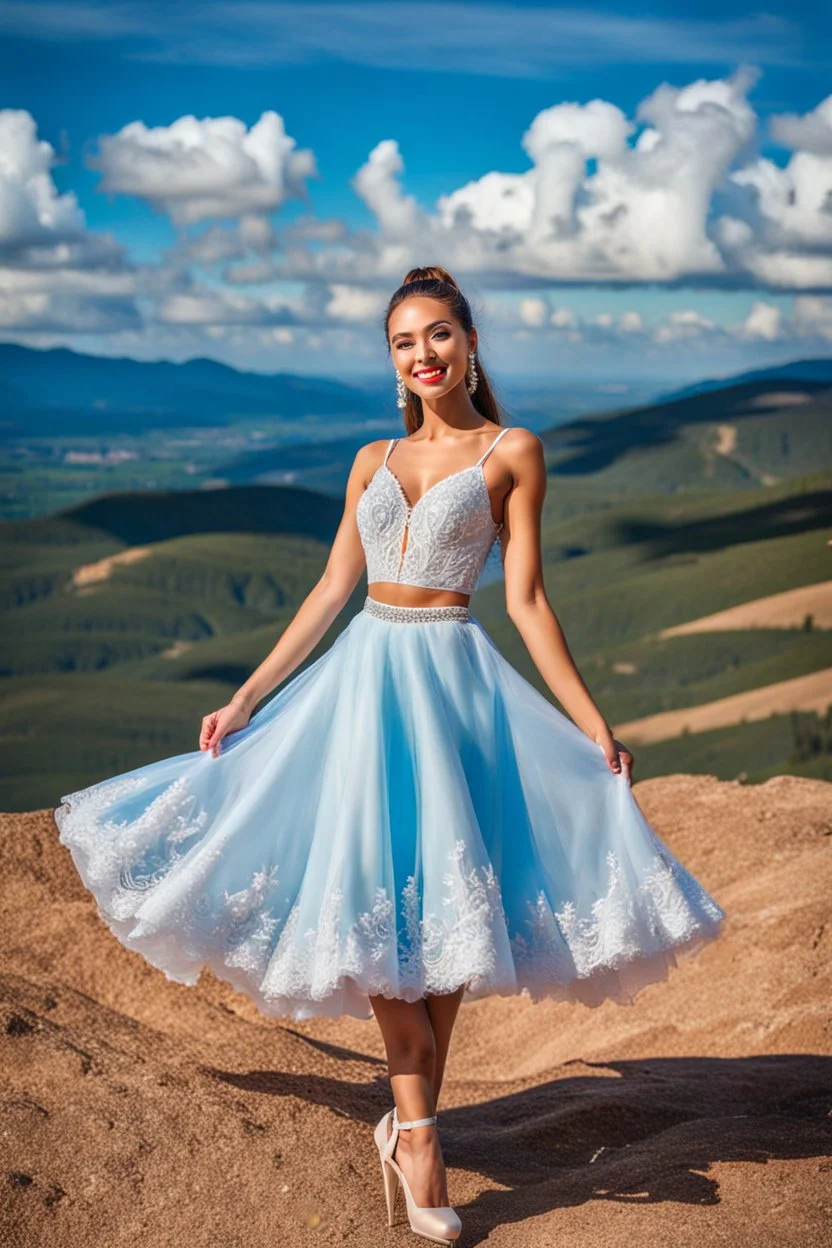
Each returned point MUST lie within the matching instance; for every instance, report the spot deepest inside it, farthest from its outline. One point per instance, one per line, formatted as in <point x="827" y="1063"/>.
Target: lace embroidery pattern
<point x="450" y="532"/>
<point x="428" y="953"/>
<point x="667" y="908"/>
<point x="394" y="948"/>
<point x="129" y="857"/>
<point x="241" y="925"/>
<point x="467" y="943"/>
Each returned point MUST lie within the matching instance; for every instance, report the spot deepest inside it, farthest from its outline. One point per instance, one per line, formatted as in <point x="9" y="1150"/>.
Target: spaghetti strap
<point x="390" y="446"/>
<point x="485" y="455"/>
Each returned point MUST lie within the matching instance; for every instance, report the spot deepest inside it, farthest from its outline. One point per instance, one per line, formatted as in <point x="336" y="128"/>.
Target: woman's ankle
<point x="418" y="1145"/>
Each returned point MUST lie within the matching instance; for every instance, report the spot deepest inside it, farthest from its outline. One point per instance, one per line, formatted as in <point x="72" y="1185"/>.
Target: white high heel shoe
<point x="439" y="1223"/>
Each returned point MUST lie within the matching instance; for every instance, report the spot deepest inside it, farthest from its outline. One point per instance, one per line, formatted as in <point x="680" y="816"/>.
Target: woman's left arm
<point x="526" y="602"/>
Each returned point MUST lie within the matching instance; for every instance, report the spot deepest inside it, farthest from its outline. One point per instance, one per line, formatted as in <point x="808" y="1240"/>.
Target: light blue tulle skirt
<point x="407" y="815"/>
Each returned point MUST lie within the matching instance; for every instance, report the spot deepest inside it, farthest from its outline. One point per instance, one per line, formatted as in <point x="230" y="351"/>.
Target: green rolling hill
<point x="753" y="433"/>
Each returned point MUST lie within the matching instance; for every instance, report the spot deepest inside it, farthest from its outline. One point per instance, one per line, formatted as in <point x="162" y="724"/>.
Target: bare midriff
<point x="397" y="595"/>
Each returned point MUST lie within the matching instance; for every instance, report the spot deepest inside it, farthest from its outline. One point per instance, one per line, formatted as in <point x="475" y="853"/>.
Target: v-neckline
<point x="411" y="507"/>
<point x="478" y="466"/>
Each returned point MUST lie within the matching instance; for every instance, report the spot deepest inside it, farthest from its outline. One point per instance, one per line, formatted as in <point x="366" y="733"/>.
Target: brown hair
<point x="434" y="282"/>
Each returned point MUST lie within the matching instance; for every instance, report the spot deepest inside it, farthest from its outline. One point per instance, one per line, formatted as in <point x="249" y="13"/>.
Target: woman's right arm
<point x="313" y="617"/>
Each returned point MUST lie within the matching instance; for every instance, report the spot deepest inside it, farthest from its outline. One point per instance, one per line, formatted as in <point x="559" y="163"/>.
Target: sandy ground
<point x="804" y="693"/>
<point x="786" y="610"/>
<point x="138" y="1111"/>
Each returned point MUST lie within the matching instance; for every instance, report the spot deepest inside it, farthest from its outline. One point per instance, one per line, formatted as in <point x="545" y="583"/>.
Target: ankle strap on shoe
<point x="414" y="1122"/>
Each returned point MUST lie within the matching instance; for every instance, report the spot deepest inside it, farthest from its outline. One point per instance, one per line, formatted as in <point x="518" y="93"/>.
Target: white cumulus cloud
<point x="764" y="321"/>
<point x="563" y="318"/>
<point x="218" y="307"/>
<point x="787" y="238"/>
<point x="205" y="168"/>
<point x="56" y="276"/>
<point x="377" y="183"/>
<point x="685" y="323"/>
<point x="31" y="209"/>
<point x="812" y="131"/>
<point x="351" y="303"/>
<point x="631" y="323"/>
<point x="812" y="316"/>
<point x="607" y="199"/>
<point x="534" y="312"/>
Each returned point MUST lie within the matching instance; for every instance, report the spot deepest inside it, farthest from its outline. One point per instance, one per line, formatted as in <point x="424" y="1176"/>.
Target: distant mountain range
<point x="762" y="426"/>
<point x="818" y="371"/>
<point x="55" y="392"/>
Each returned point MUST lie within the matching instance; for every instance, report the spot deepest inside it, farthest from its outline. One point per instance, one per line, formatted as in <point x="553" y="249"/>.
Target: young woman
<point x="408" y="821"/>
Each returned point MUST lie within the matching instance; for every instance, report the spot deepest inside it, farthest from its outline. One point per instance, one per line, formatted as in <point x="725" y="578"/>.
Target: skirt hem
<point x="620" y="981"/>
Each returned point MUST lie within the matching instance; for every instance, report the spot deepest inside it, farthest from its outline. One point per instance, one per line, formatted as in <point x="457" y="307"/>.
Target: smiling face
<point x="429" y="346"/>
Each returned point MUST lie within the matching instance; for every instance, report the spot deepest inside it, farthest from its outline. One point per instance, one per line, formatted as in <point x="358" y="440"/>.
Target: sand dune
<point x="786" y="610"/>
<point x="804" y="693"/>
<point x="139" y="1111"/>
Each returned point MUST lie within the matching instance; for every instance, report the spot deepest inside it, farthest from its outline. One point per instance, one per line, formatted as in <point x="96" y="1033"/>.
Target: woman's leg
<point x="442" y="1011"/>
<point x="412" y="1053"/>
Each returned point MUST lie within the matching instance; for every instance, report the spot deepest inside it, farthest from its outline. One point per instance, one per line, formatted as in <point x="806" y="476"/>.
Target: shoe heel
<point x="391" y="1190"/>
<point x="440" y="1224"/>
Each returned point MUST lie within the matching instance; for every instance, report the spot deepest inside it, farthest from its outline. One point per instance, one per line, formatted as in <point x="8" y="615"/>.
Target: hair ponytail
<point x="434" y="282"/>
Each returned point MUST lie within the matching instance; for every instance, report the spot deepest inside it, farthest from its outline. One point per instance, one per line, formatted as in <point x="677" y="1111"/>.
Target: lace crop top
<point x="450" y="529"/>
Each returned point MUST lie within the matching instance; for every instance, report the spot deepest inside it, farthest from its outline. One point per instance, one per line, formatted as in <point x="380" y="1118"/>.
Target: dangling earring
<point x="472" y="373"/>
<point x="401" y="388"/>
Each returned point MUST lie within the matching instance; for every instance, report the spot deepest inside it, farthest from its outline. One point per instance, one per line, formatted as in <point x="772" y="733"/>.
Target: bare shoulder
<point x="370" y="456"/>
<point x="521" y="449"/>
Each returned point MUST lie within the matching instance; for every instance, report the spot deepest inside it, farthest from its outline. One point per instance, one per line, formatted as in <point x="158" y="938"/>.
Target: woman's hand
<point x="218" y="724"/>
<point x="617" y="755"/>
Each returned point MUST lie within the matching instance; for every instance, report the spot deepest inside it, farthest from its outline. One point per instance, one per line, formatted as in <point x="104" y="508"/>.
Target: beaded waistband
<point x="415" y="615"/>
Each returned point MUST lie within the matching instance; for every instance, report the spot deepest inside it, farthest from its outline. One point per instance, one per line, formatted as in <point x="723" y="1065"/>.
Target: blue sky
<point x="624" y="191"/>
